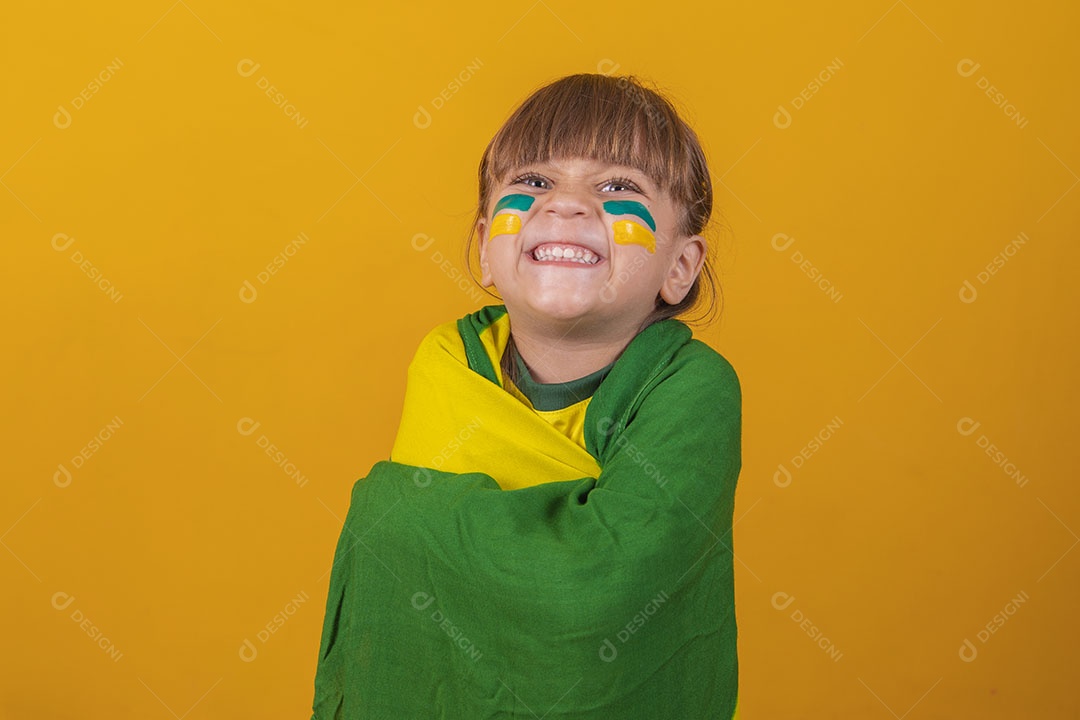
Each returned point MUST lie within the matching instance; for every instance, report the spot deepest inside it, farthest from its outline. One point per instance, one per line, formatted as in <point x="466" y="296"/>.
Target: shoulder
<point x="696" y="388"/>
<point x="668" y="387"/>
<point x="665" y="366"/>
<point x="440" y="339"/>
<point x="671" y="361"/>
<point x="475" y="341"/>
<point x="452" y="331"/>
<point x="697" y="364"/>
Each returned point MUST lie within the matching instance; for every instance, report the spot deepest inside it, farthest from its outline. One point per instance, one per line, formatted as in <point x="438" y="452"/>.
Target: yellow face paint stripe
<point x="505" y="224"/>
<point x="509" y="224"/>
<point x="628" y="232"/>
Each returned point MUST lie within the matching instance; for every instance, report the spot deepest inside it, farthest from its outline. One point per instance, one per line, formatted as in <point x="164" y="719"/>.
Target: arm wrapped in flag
<point x="527" y="577"/>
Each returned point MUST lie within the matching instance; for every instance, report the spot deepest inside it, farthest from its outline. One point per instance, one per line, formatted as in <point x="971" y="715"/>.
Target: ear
<point x="482" y="239"/>
<point x="685" y="267"/>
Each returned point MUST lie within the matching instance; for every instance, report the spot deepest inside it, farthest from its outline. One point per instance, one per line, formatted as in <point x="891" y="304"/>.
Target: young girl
<point x="551" y="536"/>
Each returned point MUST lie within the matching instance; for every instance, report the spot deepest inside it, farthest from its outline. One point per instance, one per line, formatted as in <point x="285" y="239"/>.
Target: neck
<point x="553" y="359"/>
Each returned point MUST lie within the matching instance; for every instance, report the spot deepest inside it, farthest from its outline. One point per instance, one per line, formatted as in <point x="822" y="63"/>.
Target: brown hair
<point x="615" y="120"/>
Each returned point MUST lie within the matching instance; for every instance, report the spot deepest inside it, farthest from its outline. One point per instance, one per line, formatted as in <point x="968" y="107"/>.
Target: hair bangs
<point x="589" y="125"/>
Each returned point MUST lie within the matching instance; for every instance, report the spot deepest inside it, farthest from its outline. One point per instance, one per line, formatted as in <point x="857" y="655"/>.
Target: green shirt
<point x="556" y="396"/>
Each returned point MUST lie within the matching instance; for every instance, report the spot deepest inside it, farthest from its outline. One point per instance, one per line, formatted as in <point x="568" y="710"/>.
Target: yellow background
<point x="180" y="180"/>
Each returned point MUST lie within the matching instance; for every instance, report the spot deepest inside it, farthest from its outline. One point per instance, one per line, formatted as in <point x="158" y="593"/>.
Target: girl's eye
<point x="532" y="180"/>
<point x="621" y="184"/>
<point x="539" y="182"/>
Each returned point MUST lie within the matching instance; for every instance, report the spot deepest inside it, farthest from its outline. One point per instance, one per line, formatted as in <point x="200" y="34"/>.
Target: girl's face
<point x="584" y="241"/>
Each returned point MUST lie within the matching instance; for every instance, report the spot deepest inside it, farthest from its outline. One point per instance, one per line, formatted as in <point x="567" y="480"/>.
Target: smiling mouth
<point x="564" y="253"/>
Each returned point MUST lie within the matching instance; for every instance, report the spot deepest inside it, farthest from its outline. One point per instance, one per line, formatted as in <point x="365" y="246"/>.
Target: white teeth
<point x="571" y="254"/>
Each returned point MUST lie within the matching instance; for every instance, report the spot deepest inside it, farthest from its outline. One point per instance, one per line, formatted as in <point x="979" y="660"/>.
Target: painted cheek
<point x="515" y="201"/>
<point x="630" y="207"/>
<point x="628" y="232"/>
<point x="505" y="224"/>
<point x="508" y="223"/>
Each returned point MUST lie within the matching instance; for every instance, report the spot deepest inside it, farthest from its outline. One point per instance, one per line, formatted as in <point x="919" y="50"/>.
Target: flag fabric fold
<point x="495" y="569"/>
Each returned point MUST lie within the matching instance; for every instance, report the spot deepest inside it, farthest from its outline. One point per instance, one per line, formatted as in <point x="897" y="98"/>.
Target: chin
<point x="559" y="308"/>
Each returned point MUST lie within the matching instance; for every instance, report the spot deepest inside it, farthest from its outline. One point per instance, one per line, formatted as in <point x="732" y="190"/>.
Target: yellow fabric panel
<point x="570" y="421"/>
<point x="494" y="433"/>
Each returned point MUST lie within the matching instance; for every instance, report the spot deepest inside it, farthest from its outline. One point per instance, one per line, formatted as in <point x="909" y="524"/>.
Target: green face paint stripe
<point x="514" y="202"/>
<point x="630" y="207"/>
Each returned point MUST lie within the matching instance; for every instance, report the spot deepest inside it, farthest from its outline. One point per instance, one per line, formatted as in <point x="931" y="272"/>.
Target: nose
<point x="567" y="201"/>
